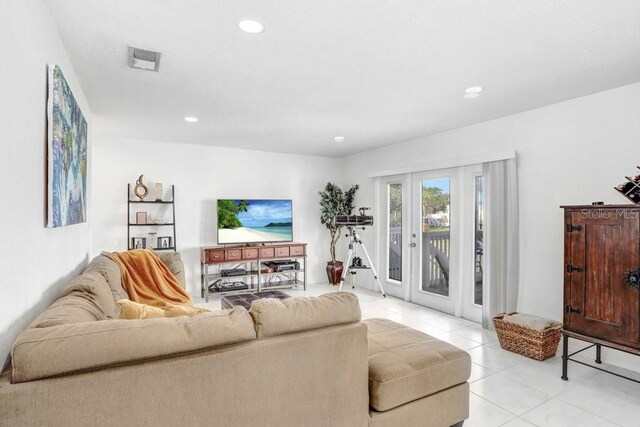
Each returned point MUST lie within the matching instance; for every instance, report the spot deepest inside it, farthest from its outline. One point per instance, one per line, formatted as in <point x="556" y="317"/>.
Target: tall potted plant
<point x="334" y="201"/>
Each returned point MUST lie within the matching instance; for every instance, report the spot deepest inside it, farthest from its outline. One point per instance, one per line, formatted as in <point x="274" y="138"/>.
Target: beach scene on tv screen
<point x="242" y="221"/>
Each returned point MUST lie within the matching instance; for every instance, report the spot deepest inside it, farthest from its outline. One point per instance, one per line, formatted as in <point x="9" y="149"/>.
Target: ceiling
<point x="377" y="72"/>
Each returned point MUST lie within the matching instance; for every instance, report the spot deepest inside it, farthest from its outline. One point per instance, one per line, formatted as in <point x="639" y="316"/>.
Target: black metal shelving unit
<point x="134" y="225"/>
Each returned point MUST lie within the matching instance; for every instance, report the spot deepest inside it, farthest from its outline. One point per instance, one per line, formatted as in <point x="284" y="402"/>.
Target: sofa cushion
<point x="46" y="352"/>
<point x="278" y="317"/>
<point x="111" y="272"/>
<point x="405" y="364"/>
<point x="174" y="263"/>
<point x="135" y="310"/>
<point x="87" y="298"/>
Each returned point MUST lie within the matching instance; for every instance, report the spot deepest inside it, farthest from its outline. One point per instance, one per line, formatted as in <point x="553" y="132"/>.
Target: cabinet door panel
<point x="601" y="273"/>
<point x="600" y="253"/>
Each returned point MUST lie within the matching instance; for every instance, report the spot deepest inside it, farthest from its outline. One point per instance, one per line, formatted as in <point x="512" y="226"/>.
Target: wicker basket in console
<point x="539" y="345"/>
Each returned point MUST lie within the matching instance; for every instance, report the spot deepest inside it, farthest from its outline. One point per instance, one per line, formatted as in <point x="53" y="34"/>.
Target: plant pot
<point x="334" y="272"/>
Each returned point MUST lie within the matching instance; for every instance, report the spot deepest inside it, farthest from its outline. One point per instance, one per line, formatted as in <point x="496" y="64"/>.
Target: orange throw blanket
<point x="148" y="280"/>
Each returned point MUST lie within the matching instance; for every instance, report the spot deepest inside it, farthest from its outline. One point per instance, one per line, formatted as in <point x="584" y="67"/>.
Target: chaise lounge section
<point x="301" y="361"/>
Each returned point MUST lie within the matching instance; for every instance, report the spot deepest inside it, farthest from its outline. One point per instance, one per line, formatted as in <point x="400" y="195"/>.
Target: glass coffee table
<point x="245" y="300"/>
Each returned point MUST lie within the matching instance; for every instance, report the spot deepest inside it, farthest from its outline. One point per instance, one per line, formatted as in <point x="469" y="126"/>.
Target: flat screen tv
<point x="254" y="221"/>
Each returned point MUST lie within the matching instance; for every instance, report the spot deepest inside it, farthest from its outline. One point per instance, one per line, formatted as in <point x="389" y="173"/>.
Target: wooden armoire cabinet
<point x="601" y="243"/>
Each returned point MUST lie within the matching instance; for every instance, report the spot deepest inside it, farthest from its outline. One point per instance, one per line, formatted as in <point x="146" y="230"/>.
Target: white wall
<point x="568" y="153"/>
<point x="35" y="261"/>
<point x="201" y="175"/>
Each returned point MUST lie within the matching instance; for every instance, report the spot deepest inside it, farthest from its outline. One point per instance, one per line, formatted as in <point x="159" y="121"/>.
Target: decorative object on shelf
<point x="152" y="240"/>
<point x="138" y="243"/>
<point x="631" y="188"/>
<point x="164" y="242"/>
<point x="632" y="278"/>
<point x="67" y="154"/>
<point x="140" y="190"/>
<point x="141" y="217"/>
<point x="159" y="192"/>
<point x="334" y="201"/>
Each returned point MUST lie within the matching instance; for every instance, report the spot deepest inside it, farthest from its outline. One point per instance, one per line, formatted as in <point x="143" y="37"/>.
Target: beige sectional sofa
<point x="299" y="362"/>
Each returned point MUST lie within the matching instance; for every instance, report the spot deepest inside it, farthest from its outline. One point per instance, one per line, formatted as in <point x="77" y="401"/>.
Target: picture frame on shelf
<point x="138" y="243"/>
<point x="164" y="242"/>
<point x="141" y="217"/>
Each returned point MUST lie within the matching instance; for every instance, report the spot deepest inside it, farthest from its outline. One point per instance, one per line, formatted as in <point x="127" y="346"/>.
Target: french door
<point x="435" y="239"/>
<point x="432" y="243"/>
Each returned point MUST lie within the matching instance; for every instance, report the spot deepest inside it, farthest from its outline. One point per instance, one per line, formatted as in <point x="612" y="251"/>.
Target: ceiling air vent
<point x="143" y="59"/>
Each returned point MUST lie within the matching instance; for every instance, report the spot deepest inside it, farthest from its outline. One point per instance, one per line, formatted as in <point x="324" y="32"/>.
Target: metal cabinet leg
<point x="201" y="280"/>
<point x="565" y="357"/>
<point x="598" y="354"/>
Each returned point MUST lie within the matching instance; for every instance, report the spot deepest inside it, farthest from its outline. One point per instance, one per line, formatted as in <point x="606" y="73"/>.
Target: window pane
<point x="395" y="232"/>
<point x="436" y="240"/>
<point x="479" y="244"/>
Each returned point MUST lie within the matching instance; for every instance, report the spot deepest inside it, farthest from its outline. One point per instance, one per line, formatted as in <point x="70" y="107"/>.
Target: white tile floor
<point x="507" y="389"/>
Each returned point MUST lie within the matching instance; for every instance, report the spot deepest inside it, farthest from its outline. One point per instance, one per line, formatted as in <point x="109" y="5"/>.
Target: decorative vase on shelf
<point x="159" y="192"/>
<point x="152" y="240"/>
<point x="140" y="190"/>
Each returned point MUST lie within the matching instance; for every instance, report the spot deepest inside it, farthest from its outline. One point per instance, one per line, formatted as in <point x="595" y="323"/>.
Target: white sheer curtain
<point x="501" y="240"/>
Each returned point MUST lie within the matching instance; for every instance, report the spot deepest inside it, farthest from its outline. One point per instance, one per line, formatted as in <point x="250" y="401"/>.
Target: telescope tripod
<point x="355" y="240"/>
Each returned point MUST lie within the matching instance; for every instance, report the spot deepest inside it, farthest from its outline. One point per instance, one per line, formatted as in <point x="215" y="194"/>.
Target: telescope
<point x="361" y="220"/>
<point x="354" y="262"/>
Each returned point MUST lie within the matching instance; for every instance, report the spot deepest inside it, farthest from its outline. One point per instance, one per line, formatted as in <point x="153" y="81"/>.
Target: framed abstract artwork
<point x="67" y="154"/>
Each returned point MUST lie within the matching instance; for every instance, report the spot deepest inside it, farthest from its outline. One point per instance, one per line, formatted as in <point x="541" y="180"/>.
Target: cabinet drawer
<point x="267" y="252"/>
<point x="250" y="253"/>
<point x="282" y="251"/>
<point x="215" y="256"/>
<point x="296" y="250"/>
<point x="233" y="254"/>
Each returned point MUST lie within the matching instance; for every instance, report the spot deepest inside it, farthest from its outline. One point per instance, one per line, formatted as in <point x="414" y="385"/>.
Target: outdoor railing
<point x="432" y="273"/>
<point x="395" y="253"/>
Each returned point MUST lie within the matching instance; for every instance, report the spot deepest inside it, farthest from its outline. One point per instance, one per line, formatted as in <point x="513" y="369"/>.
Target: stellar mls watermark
<point x="609" y="213"/>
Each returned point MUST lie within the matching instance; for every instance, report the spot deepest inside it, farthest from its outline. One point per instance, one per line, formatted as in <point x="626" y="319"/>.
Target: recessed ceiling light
<point x="473" y="89"/>
<point x="471" y="95"/>
<point x="338" y="138"/>
<point x="191" y="119"/>
<point x="251" y="26"/>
